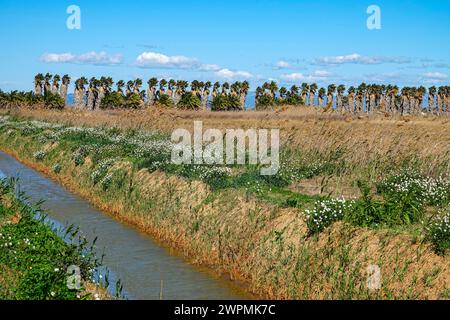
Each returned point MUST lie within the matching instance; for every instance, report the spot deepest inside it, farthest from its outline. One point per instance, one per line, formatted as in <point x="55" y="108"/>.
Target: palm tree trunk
<point x="372" y="100"/>
<point x="329" y="106"/>
<point x="90" y="101"/>
<point x="47" y="88"/>
<point x="311" y="99"/>
<point x="242" y="99"/>
<point x="350" y="103"/>
<point x="38" y="89"/>
<point x="63" y="93"/>
<point x="79" y="98"/>
<point x="55" y="90"/>
<point x="100" y="96"/>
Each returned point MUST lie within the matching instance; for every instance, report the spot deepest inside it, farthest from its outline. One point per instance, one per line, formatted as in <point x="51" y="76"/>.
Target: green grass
<point x="34" y="259"/>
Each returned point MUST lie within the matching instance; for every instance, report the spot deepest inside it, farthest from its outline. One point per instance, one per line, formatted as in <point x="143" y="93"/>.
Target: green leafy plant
<point x="189" y="101"/>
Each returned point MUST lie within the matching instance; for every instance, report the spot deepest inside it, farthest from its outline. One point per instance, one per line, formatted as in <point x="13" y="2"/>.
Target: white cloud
<point x="316" y="75"/>
<point x="321" y="74"/>
<point x="94" y="58"/>
<point x="159" y="60"/>
<point x="435" y="75"/>
<point x="229" y="74"/>
<point x="282" y="64"/>
<point x="356" y="58"/>
<point x="209" y="67"/>
<point x="57" y="58"/>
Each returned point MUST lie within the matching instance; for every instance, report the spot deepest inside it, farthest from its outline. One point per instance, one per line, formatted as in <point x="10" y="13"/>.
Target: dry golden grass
<point x="361" y="136"/>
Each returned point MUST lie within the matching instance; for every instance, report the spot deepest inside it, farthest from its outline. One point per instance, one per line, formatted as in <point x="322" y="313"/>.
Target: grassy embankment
<point x="287" y="236"/>
<point x="35" y="261"/>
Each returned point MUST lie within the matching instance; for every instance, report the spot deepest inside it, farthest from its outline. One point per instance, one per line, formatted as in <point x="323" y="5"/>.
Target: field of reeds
<point x="35" y="261"/>
<point x="353" y="193"/>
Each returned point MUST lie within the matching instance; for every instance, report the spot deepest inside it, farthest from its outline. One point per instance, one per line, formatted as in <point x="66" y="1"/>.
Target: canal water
<point x="145" y="269"/>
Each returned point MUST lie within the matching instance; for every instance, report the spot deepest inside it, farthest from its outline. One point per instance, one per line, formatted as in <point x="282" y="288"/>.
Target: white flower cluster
<point x="39" y="155"/>
<point x="326" y="212"/>
<point x="438" y="231"/>
<point x="6" y="241"/>
<point x="208" y="172"/>
<point x="101" y="171"/>
<point x="429" y="190"/>
<point x="298" y="170"/>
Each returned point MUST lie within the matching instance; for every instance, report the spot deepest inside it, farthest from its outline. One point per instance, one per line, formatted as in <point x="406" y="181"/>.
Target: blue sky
<point x="291" y="41"/>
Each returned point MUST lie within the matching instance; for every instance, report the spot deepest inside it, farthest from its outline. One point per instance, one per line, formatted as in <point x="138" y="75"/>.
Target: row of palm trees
<point x="99" y="93"/>
<point x="367" y="98"/>
<point x="48" y="83"/>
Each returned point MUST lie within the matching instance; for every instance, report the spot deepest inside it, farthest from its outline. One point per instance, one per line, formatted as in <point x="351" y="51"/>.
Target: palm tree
<point x="294" y="90"/>
<point x="440" y="99"/>
<point x="305" y="90"/>
<point x="235" y="88"/>
<point x="79" y="93"/>
<point x="411" y="93"/>
<point x="320" y="96"/>
<point x="330" y="95"/>
<point x="283" y="93"/>
<point x="421" y="91"/>
<point x="205" y="95"/>
<point x="312" y="93"/>
<point x="55" y="86"/>
<point x="195" y="86"/>
<point x="120" y="84"/>
<point x="245" y="86"/>
<point x="339" y="97"/>
<point x="129" y="89"/>
<point x="181" y="87"/>
<point x="431" y="99"/>
<point x="216" y="88"/>
<point x="100" y="91"/>
<point x="382" y="97"/>
<point x="91" y="94"/>
<point x="151" y="91"/>
<point x="370" y="98"/>
<point x="387" y="98"/>
<point x="137" y="86"/>
<point x="351" y="99"/>
<point x="47" y="85"/>
<point x="360" y="92"/>
<point x="404" y="100"/>
<point x="171" y="89"/>
<point x="162" y="88"/>
<point x="65" y="86"/>
<point x="225" y="88"/>
<point x="273" y="88"/>
<point x="258" y="94"/>
<point x="38" y="82"/>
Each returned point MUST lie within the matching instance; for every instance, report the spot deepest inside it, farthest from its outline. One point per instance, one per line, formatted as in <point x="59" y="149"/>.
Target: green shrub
<point x="39" y="155"/>
<point x="189" y="101"/>
<point x="438" y="232"/>
<point x="57" y="168"/>
<point x="133" y="101"/>
<point x="326" y="212"/>
<point x="225" y="102"/>
<point x="165" y="101"/>
<point x="53" y="101"/>
<point x="265" y="102"/>
<point x="112" y="100"/>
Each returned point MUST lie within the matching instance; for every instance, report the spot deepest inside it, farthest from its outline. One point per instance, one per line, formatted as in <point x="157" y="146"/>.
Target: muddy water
<point x="144" y="268"/>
